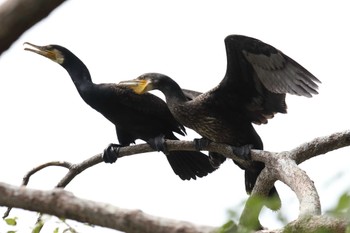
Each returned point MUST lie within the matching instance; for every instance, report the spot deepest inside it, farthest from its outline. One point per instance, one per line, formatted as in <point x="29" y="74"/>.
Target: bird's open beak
<point x="139" y="86"/>
<point x="42" y="50"/>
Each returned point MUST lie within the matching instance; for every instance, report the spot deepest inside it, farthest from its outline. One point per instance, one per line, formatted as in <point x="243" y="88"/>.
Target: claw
<point x="111" y="153"/>
<point x="243" y="151"/>
<point x="158" y="144"/>
<point x="200" y="143"/>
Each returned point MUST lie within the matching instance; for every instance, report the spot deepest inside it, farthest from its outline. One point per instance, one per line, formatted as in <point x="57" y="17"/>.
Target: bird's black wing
<point x="275" y="70"/>
<point x="258" y="77"/>
<point x="281" y="74"/>
<point x="157" y="119"/>
<point x="148" y="106"/>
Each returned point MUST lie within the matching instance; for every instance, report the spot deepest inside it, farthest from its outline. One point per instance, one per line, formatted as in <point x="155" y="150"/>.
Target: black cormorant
<point x="257" y="78"/>
<point x="134" y="116"/>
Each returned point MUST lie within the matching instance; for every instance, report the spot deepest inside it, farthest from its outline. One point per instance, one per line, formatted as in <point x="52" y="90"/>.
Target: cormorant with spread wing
<point x="134" y="116"/>
<point x="257" y="78"/>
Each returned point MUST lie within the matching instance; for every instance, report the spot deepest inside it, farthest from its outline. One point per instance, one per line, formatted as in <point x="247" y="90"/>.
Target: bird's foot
<point x="111" y="153"/>
<point x="200" y="143"/>
<point x="243" y="152"/>
<point x="158" y="144"/>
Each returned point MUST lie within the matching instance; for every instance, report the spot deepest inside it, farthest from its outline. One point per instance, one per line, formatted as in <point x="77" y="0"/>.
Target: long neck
<point x="79" y="74"/>
<point x="173" y="93"/>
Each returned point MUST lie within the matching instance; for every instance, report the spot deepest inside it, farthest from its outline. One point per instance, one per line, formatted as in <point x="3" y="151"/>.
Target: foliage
<point x="11" y="221"/>
<point x="61" y="225"/>
<point x="342" y="208"/>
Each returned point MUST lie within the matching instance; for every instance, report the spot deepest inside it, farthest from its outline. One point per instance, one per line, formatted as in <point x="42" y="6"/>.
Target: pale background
<point x="44" y="119"/>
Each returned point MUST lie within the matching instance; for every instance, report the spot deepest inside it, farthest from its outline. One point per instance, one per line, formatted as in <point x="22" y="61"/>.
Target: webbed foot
<point x="158" y="144"/>
<point x="243" y="152"/>
<point x="111" y="153"/>
<point x="200" y="143"/>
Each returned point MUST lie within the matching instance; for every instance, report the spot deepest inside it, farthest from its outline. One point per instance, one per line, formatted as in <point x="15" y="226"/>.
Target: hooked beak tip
<point x="31" y="47"/>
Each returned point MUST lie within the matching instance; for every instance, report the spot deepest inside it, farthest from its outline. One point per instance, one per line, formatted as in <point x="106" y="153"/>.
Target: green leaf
<point x="38" y="226"/>
<point x="343" y="206"/>
<point x="11" y="221"/>
<point x="56" y="230"/>
<point x="347" y="229"/>
<point x="344" y="202"/>
<point x="228" y="227"/>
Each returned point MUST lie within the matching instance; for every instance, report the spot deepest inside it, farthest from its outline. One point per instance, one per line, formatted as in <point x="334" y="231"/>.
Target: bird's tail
<point x="190" y="164"/>
<point x="251" y="175"/>
<point x="216" y="159"/>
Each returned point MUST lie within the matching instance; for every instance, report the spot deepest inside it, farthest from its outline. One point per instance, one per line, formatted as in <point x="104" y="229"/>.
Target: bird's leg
<point x="111" y="153"/>
<point x="158" y="144"/>
<point x="243" y="152"/>
<point x="200" y="143"/>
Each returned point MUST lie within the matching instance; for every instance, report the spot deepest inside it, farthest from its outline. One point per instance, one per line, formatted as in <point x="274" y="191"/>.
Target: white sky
<point x="44" y="119"/>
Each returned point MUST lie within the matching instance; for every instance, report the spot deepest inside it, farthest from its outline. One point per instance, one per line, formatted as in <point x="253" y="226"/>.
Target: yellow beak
<point x="42" y="50"/>
<point x="139" y="86"/>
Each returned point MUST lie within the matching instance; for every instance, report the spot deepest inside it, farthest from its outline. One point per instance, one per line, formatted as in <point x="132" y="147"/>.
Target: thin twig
<point x="42" y="166"/>
<point x="27" y="176"/>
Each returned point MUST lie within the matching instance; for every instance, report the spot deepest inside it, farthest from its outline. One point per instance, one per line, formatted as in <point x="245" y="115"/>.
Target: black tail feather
<point x="251" y="175"/>
<point x="190" y="164"/>
<point x="216" y="159"/>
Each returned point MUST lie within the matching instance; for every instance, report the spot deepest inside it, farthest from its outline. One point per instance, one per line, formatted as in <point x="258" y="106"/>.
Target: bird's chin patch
<point x="59" y="58"/>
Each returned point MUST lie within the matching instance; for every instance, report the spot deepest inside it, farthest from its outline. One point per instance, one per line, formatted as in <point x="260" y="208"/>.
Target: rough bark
<point x="279" y="166"/>
<point x="63" y="204"/>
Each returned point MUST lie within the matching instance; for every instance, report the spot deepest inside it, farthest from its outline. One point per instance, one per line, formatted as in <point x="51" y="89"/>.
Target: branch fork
<point x="281" y="166"/>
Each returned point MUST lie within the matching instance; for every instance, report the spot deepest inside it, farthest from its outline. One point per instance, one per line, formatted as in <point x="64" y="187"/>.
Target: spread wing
<point x="258" y="77"/>
<point x="281" y="74"/>
<point x="249" y="58"/>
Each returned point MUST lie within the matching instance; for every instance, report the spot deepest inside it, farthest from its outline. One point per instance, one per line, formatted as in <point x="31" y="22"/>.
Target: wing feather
<point x="258" y="76"/>
<point x="280" y="74"/>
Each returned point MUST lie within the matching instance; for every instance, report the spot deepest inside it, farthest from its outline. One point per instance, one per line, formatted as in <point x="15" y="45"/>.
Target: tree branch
<point x="17" y="16"/>
<point x="278" y="166"/>
<point x="283" y="166"/>
<point x="317" y="224"/>
<point x="64" y="204"/>
<point x="321" y="145"/>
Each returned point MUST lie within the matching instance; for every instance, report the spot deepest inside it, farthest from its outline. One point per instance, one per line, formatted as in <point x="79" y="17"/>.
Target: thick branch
<point x="16" y="16"/>
<point x="283" y="166"/>
<point x="287" y="171"/>
<point x="301" y="184"/>
<point x="321" y="145"/>
<point x="279" y="166"/>
<point x="316" y="224"/>
<point x="64" y="204"/>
